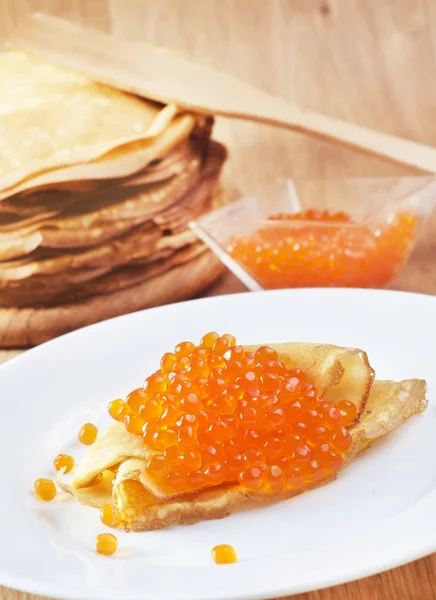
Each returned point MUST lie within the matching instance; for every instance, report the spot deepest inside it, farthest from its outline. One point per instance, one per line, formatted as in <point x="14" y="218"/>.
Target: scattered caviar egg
<point x="224" y="554"/>
<point x="107" y="516"/>
<point x="118" y="409"/>
<point x="63" y="461"/>
<point x="322" y="249"/>
<point x="106" y="544"/>
<point x="87" y="434"/>
<point x="215" y="413"/>
<point x="45" y="489"/>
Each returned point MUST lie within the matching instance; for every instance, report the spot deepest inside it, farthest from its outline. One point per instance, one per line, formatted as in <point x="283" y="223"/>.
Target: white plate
<point x="378" y="514"/>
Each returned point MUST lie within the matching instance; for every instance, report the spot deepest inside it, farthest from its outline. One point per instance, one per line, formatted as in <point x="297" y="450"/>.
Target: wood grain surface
<point x="369" y="61"/>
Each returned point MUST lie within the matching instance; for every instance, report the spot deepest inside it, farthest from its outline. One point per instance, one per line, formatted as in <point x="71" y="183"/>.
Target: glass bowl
<point x="357" y="233"/>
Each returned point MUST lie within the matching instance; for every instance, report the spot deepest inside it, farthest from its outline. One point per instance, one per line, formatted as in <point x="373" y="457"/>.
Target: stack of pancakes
<point x="96" y="191"/>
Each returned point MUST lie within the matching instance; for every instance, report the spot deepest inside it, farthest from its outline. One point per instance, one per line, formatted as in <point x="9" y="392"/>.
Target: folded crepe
<point x="39" y="99"/>
<point x="114" y="469"/>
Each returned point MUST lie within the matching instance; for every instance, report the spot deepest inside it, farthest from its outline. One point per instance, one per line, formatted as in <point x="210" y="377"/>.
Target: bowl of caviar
<point x="321" y="232"/>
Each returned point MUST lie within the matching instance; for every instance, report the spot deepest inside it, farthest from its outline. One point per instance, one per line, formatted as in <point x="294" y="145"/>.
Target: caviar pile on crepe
<point x="320" y="249"/>
<point x="219" y="424"/>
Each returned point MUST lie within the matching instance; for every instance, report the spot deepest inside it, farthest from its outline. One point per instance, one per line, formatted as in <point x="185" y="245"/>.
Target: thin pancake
<point x="116" y="250"/>
<point x="82" y="284"/>
<point x="24" y="327"/>
<point x="141" y="505"/>
<point x="119" y="163"/>
<point x="110" y="214"/>
<point x="336" y="372"/>
<point x="38" y="133"/>
<point x="139" y="511"/>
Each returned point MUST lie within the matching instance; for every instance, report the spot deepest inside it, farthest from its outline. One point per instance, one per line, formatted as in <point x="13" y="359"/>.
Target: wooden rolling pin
<point x="164" y="76"/>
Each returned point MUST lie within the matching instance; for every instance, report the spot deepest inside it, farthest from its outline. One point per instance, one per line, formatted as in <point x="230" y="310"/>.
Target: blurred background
<point x="367" y="61"/>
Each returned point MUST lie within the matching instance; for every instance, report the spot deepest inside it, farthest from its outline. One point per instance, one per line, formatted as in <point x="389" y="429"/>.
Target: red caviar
<point x="87" y="434"/>
<point x="322" y="249"/>
<point x="106" y="544"/>
<point x="107" y="516"/>
<point x="224" y="554"/>
<point x="63" y="461"/>
<point x="250" y="420"/>
<point x="45" y="489"/>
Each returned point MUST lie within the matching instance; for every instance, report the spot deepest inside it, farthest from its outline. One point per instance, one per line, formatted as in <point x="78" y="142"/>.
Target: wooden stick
<point x="164" y="76"/>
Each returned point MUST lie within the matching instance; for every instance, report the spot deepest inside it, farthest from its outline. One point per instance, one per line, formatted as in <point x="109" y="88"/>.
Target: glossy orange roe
<point x="87" y="434"/>
<point x="63" y="461"/>
<point x="219" y="414"/>
<point x="45" y="489"/>
<point x="106" y="544"/>
<point x="107" y="516"/>
<point x="118" y="409"/>
<point x="323" y="249"/>
<point x="348" y="411"/>
<point x="224" y="554"/>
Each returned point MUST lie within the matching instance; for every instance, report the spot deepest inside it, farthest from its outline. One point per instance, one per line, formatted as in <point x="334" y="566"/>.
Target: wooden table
<point x="368" y="61"/>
